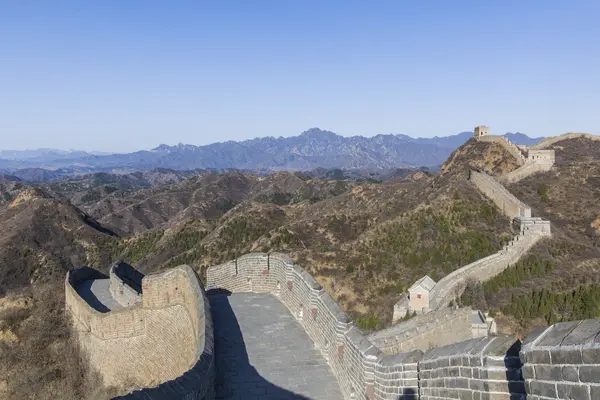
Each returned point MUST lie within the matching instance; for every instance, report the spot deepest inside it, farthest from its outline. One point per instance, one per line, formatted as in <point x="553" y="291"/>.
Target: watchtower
<point x="481" y="131"/>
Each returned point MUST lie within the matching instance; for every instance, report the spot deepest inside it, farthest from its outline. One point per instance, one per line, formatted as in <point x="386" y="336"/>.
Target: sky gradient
<point x="123" y="75"/>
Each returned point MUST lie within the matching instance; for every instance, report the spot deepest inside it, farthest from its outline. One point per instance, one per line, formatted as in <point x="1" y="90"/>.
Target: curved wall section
<point x="360" y="367"/>
<point x="165" y="341"/>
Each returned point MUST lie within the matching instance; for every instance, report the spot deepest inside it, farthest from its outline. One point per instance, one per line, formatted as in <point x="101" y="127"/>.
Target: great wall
<point x="159" y="332"/>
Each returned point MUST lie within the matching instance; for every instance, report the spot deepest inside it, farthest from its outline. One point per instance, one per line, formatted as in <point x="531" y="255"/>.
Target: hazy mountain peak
<point x="318" y="133"/>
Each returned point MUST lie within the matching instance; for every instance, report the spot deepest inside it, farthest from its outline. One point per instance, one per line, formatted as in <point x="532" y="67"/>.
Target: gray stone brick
<point x="591" y="355"/>
<point x="544" y="389"/>
<point x="595" y="392"/>
<point x="528" y="371"/>
<point x="566" y="356"/>
<point x="572" y="391"/>
<point x="570" y="373"/>
<point x="588" y="373"/>
<point x="548" y="372"/>
<point x="538" y="357"/>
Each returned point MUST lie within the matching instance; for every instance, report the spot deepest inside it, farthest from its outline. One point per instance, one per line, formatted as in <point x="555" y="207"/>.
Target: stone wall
<point x="563" y="361"/>
<point x="504" y="200"/>
<point x="536" y="161"/>
<point x="452" y="285"/>
<point x="360" y="367"/>
<point x="555" y="139"/>
<point x="531" y="231"/>
<point x="560" y="362"/>
<point x="542" y="162"/>
<point x="485" y="368"/>
<point x="164" y="342"/>
<point x="424" y="332"/>
<point x="125" y="284"/>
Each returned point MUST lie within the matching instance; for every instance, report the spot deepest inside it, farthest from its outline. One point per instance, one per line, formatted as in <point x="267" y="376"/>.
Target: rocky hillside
<point x="489" y="157"/>
<point x="43" y="236"/>
<point x="365" y="241"/>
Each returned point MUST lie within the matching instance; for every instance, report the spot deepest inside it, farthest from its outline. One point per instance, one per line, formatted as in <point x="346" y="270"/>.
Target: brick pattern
<point x="563" y="361"/>
<point x="166" y="341"/>
<point x="486" y="368"/>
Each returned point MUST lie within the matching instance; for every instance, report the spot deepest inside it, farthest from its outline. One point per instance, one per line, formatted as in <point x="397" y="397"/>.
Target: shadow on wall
<point x="236" y="378"/>
<point x="514" y="376"/>
<point x="408" y="394"/>
<point x="84" y="290"/>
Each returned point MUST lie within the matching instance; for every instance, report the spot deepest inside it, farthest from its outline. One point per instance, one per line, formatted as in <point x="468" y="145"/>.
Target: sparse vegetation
<point x="43" y="360"/>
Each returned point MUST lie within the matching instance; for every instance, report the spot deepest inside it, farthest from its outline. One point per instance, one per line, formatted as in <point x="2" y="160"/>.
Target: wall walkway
<point x="359" y="367"/>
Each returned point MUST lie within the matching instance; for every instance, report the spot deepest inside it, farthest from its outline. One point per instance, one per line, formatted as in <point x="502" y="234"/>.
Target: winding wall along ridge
<point x="570" y="135"/>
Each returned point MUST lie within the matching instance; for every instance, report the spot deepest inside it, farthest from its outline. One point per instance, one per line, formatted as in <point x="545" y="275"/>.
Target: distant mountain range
<point x="310" y="150"/>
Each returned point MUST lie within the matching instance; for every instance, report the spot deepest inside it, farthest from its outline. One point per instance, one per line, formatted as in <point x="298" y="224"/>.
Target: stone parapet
<point x="563" y="361"/>
<point x="484" y="368"/>
<point x="164" y="342"/>
<point x="423" y="332"/>
<point x="504" y="200"/>
<point x="555" y="139"/>
<point x="360" y="367"/>
<point x="452" y="285"/>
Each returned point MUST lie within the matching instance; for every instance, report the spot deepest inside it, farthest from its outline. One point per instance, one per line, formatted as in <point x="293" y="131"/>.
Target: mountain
<point x="365" y="238"/>
<point x="521" y="138"/>
<point x="40" y="154"/>
<point x="310" y="150"/>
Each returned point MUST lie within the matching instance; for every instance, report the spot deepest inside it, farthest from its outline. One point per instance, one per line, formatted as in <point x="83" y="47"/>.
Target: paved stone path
<point x="97" y="294"/>
<point x="262" y="352"/>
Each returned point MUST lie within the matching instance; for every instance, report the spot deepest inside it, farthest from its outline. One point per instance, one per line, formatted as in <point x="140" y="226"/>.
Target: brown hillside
<point x="488" y="156"/>
<point x="346" y="233"/>
<point x="43" y="236"/>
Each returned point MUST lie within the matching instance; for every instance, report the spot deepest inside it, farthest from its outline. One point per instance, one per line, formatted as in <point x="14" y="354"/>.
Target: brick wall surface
<point x="423" y="332"/>
<point x="485" y="368"/>
<point x="563" y="361"/>
<point x="164" y="343"/>
<point x="504" y="200"/>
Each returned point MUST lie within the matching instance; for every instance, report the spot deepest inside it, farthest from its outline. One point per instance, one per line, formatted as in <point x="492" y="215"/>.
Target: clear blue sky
<point x="125" y="75"/>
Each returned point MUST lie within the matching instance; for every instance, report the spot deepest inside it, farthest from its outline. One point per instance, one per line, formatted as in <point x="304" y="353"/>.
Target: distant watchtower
<point x="481" y="131"/>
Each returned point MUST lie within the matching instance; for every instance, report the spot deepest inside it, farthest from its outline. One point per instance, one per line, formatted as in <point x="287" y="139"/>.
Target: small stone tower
<point x="481" y="131"/>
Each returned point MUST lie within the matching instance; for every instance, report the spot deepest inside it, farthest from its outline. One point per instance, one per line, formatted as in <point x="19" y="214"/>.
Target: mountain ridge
<point x="312" y="149"/>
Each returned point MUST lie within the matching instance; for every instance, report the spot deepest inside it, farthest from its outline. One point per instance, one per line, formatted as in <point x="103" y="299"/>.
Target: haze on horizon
<point x="115" y="76"/>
